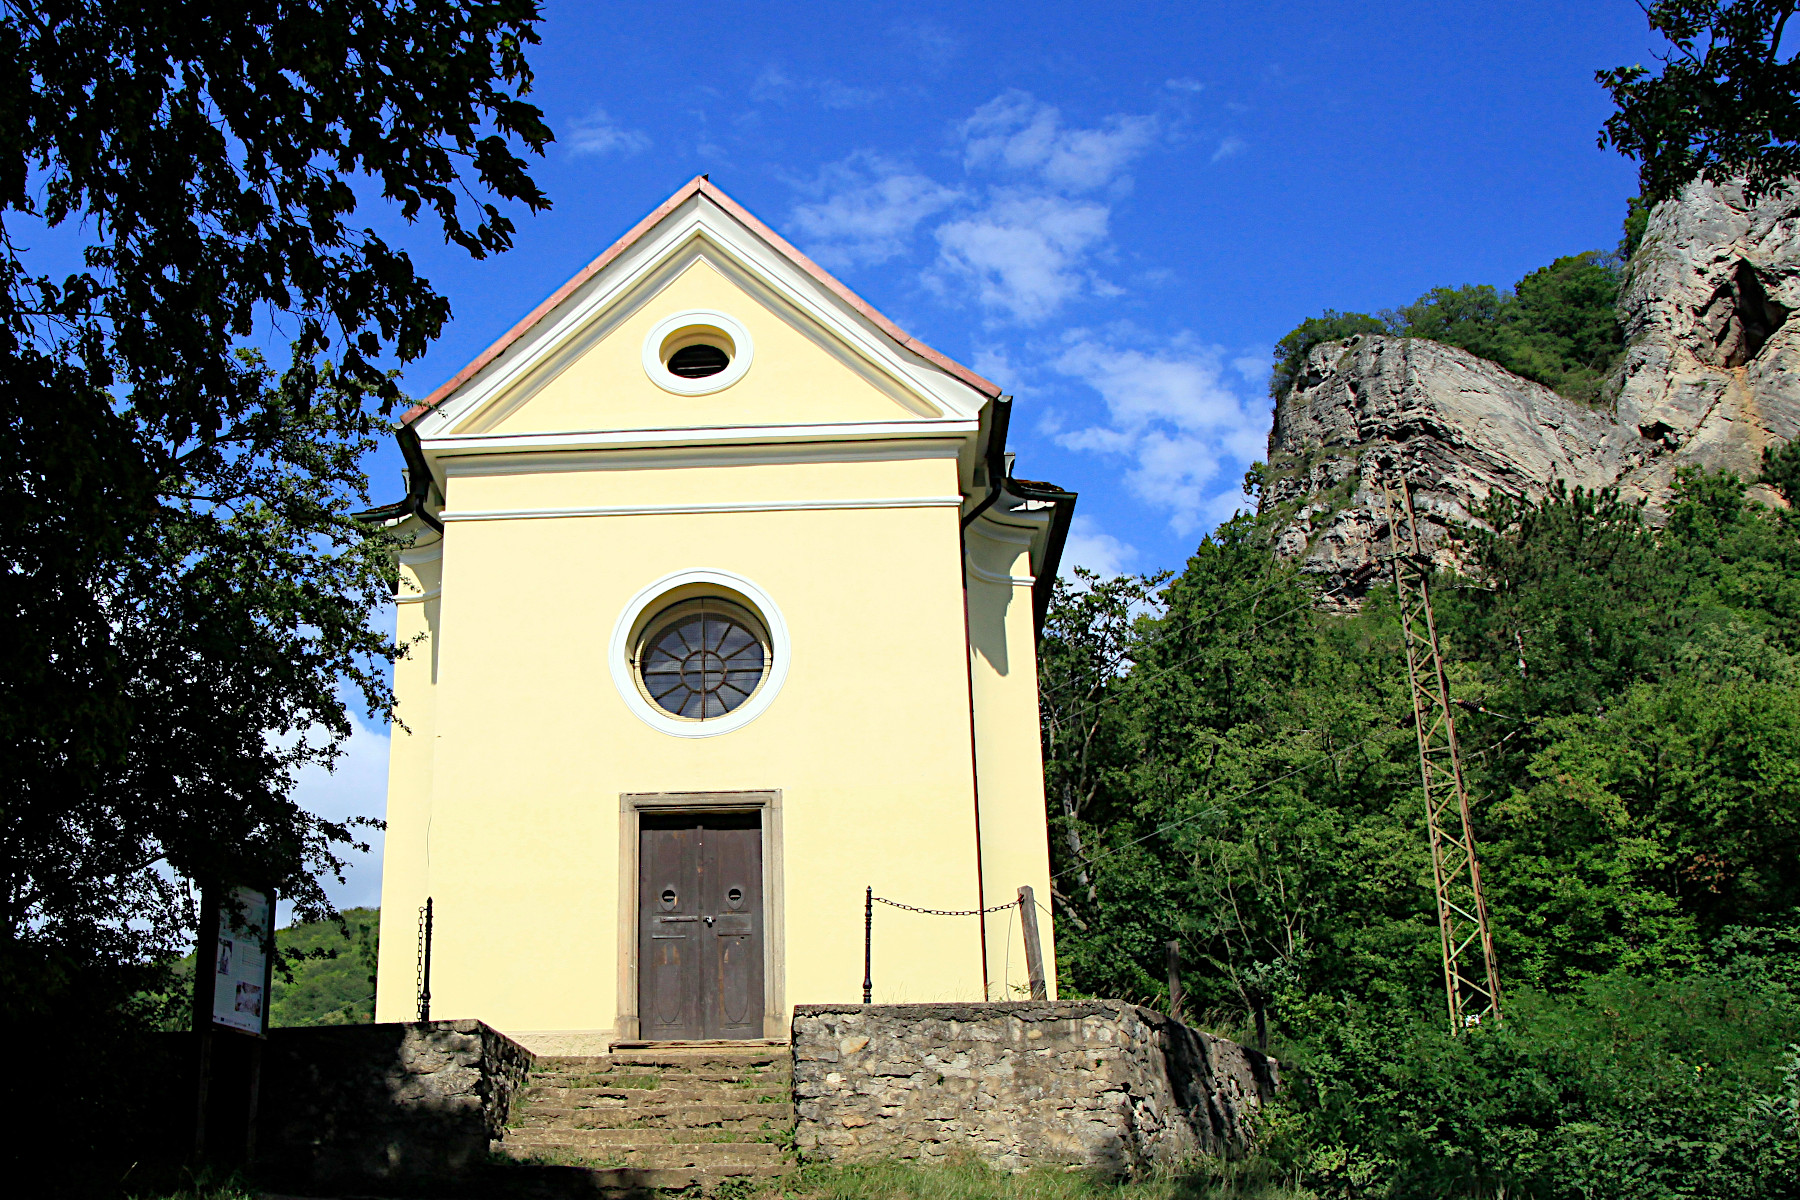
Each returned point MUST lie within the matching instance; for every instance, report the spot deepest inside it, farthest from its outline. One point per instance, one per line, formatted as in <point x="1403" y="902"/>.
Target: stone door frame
<point x="765" y="803"/>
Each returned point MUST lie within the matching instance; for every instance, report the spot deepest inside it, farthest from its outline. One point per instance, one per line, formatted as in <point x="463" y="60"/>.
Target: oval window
<point x="702" y="658"/>
<point x="698" y="361"/>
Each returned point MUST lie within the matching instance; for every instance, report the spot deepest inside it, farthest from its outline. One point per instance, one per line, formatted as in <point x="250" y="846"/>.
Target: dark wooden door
<point x="700" y="935"/>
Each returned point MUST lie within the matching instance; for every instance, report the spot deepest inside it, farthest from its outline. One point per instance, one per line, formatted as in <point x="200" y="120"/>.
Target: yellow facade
<point x="835" y="479"/>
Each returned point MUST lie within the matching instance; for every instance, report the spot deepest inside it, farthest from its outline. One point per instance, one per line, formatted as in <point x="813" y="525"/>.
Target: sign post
<point x="234" y="962"/>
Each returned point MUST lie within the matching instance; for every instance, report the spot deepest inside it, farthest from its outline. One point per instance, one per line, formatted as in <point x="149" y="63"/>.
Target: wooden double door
<point x="700" y="926"/>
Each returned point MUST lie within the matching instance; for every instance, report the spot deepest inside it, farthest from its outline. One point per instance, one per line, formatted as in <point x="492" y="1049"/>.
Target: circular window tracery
<point x="662" y="602"/>
<point x="702" y="658"/>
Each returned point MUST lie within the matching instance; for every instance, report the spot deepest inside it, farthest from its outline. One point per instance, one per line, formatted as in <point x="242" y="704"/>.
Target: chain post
<point x="868" y="935"/>
<point x="424" y="970"/>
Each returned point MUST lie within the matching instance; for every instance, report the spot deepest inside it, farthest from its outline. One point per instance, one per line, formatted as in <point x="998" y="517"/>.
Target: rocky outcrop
<point x="1711" y="375"/>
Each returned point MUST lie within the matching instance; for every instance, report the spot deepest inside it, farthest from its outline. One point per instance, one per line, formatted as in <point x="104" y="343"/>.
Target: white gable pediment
<point x="820" y="357"/>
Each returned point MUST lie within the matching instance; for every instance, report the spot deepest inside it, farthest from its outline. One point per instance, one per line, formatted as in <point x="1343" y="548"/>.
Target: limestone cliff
<point x="1711" y="375"/>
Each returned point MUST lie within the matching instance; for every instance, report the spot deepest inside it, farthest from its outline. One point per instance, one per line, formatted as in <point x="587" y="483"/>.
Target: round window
<point x="702" y="658"/>
<point x="698" y="352"/>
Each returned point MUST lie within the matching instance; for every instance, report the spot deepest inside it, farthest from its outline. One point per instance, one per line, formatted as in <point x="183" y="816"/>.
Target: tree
<point x="185" y="603"/>
<point x="1726" y="105"/>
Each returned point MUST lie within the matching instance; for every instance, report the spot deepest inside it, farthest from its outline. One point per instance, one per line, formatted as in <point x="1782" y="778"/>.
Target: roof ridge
<point x="700" y="185"/>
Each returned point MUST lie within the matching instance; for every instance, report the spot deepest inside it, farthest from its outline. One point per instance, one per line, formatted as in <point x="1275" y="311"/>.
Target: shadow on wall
<point x="346" y="1106"/>
<point x="987" y="624"/>
<point x="367" y="1103"/>
<point x="1099" y="1084"/>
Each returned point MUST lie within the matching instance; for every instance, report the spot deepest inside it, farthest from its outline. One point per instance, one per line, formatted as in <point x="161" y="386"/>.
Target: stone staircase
<point x="663" y="1119"/>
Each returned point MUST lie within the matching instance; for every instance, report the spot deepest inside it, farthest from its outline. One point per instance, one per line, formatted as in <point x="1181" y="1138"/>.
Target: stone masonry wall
<point x="356" y="1104"/>
<point x="1093" y="1083"/>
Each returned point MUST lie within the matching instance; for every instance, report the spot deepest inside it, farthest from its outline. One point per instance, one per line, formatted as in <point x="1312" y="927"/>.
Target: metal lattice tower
<point x="1471" y="983"/>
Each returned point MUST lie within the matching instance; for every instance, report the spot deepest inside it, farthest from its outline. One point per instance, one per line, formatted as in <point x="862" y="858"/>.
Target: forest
<point x="1233" y="766"/>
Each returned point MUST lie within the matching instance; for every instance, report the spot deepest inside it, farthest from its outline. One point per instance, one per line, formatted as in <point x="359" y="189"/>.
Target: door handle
<point x="708" y="921"/>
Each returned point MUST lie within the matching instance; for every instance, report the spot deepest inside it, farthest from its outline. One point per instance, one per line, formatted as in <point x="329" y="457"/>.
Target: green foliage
<point x="189" y="608"/>
<point x="1781" y="470"/>
<point x="968" y="1179"/>
<point x="1557" y="326"/>
<point x="331" y="971"/>
<point x="1629" y="708"/>
<point x="324" y="975"/>
<point x="1724" y="106"/>
<point x="188" y="611"/>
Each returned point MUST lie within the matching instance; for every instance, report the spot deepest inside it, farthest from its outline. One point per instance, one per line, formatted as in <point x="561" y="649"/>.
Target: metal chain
<point x="944" y="912"/>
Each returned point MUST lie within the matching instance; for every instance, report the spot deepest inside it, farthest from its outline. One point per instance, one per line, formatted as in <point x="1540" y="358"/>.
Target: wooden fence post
<point x="1173" y="953"/>
<point x="1034" y="950"/>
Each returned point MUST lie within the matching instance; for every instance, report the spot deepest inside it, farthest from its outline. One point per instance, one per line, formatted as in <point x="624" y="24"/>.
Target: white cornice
<point x="700" y="218"/>
<point x="694" y="437"/>
<point x="670" y="457"/>
<point x="740" y="506"/>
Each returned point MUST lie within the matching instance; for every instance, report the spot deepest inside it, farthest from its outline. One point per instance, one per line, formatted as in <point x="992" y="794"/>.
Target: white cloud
<point x="777" y="86"/>
<point x="995" y="363"/>
<point x="357" y="788"/>
<point x="1024" y="253"/>
<point x="1088" y="546"/>
<point x="597" y="133"/>
<point x="1228" y="148"/>
<point x="869" y="210"/>
<point x="1174" y="416"/>
<point x="1184" y="85"/>
<point x="1017" y="133"/>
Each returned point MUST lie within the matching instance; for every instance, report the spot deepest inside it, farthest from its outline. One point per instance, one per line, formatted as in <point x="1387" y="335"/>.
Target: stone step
<point x="676" y="1060"/>
<point x="631" y="1135"/>
<point x="599" y="1097"/>
<point x="727" y="1158"/>
<point x="569" y="1182"/>
<point x="674" y="1116"/>
<point x="650" y="1077"/>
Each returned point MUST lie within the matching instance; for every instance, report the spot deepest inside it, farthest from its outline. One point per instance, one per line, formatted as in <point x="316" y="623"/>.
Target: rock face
<point x="1711" y="376"/>
<point x="1099" y="1084"/>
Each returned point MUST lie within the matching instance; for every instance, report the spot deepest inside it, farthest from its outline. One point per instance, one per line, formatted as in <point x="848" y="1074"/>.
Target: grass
<point x="970" y="1179"/>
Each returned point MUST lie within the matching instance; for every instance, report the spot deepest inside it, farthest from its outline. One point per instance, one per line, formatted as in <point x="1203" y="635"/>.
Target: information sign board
<point x="240" y="998"/>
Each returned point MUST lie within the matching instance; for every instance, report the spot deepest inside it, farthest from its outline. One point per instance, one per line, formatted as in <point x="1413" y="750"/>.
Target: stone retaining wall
<point x="1094" y="1083"/>
<point x="358" y="1104"/>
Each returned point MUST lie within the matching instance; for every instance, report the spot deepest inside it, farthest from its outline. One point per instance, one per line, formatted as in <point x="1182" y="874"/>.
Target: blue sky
<point x="1114" y="210"/>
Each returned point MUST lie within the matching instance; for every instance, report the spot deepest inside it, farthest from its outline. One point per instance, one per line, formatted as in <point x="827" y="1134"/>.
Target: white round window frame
<point x="625" y="677"/>
<point x="743" y="349"/>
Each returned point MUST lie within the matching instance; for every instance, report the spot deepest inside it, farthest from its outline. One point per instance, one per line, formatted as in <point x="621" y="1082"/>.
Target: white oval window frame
<point x="743" y="349"/>
<point x="625" y="679"/>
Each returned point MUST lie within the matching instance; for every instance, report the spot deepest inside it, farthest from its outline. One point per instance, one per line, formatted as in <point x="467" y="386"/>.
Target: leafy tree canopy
<point x="186" y="607"/>
<point x="1726" y="105"/>
<point x="1245" y="780"/>
<point x="1557" y="326"/>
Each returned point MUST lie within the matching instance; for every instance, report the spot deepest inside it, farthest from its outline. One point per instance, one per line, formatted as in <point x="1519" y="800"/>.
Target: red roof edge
<point x="703" y="186"/>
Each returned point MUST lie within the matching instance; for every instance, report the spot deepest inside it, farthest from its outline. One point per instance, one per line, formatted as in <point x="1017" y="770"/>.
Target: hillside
<point x="333" y="976"/>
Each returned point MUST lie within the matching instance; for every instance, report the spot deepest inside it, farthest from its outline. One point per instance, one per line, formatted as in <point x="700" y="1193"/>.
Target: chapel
<point x="719" y="600"/>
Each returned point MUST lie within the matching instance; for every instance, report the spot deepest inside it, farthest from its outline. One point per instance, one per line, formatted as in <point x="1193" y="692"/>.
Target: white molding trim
<point x="418" y="598"/>
<point x="696" y="218"/>
<point x="743" y="351"/>
<point x="619" y="654"/>
<point x="676" y="457"/>
<point x="997" y="577"/>
<point x="417" y="555"/>
<point x="735" y="506"/>
<point x="1004" y="535"/>
<point x="694" y="437"/>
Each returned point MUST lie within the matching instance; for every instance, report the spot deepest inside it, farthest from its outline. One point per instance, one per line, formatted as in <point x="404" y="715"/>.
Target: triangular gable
<point x="700" y="231"/>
